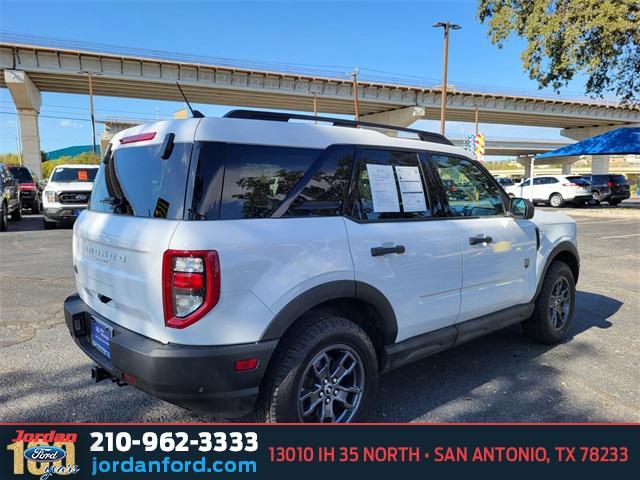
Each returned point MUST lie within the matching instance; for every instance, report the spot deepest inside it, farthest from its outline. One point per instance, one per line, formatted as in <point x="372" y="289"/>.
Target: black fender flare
<point x="339" y="289"/>
<point x="564" y="246"/>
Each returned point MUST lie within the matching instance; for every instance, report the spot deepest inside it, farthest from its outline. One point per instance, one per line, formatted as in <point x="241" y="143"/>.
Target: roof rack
<point x="338" y="122"/>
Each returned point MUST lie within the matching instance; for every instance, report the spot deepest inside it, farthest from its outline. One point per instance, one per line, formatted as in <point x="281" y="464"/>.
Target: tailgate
<point x="118" y="260"/>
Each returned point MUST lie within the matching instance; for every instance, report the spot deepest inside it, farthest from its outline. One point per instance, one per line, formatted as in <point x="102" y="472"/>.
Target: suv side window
<point x="540" y="180"/>
<point x="323" y="194"/>
<point x="259" y="177"/>
<point x="390" y="185"/>
<point x="470" y="191"/>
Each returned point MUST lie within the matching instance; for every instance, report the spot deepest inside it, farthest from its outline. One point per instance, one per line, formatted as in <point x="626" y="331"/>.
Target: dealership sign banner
<point x="254" y="451"/>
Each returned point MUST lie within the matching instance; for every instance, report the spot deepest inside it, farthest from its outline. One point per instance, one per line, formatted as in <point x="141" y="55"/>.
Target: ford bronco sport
<point x="262" y="262"/>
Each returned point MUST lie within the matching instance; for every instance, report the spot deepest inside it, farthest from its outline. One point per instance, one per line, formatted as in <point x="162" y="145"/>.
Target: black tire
<point x="35" y="208"/>
<point x="614" y="203"/>
<point x="4" y="217"/>
<point x="555" y="200"/>
<point x="292" y="368"/>
<point x="541" y="326"/>
<point x="48" y="225"/>
<point x="16" y="216"/>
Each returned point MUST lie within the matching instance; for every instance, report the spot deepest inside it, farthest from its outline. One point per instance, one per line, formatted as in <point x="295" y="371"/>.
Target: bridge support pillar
<point x="566" y="167"/>
<point x="525" y="161"/>
<point x="401" y="117"/>
<point x="600" y="163"/>
<point x="27" y="100"/>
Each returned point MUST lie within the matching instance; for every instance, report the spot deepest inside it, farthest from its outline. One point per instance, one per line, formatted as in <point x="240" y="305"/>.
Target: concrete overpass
<point x="516" y="147"/>
<point x="27" y="68"/>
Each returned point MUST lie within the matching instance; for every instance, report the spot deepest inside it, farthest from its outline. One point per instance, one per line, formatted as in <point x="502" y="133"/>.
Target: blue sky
<point x="395" y="38"/>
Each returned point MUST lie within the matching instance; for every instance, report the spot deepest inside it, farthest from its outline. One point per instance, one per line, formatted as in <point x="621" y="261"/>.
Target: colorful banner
<point x="183" y="451"/>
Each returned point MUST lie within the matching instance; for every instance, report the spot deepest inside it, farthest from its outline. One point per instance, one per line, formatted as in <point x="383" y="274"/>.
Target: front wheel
<point x="554" y="306"/>
<point x="325" y="374"/>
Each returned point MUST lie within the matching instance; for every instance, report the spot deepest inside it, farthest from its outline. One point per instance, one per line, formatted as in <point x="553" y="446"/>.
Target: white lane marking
<point x="605" y="221"/>
<point x="622" y="236"/>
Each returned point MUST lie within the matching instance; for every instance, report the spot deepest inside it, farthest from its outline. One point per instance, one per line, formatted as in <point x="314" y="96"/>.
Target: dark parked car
<point x="505" y="182"/>
<point x="9" y="198"/>
<point x="609" y="187"/>
<point x="30" y="188"/>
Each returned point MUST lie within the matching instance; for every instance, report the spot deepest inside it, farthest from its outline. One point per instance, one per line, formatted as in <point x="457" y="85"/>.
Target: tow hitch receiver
<point x="99" y="374"/>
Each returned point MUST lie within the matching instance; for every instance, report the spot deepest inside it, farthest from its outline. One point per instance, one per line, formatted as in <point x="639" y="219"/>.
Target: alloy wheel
<point x="559" y="303"/>
<point x="332" y="386"/>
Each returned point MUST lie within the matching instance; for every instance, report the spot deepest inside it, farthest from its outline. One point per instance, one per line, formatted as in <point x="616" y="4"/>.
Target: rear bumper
<point x="193" y="377"/>
<point x="581" y="198"/>
<point x="616" y="197"/>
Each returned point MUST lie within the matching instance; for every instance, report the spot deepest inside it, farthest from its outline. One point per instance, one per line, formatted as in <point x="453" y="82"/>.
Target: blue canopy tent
<point x="616" y="142"/>
<point x="621" y="141"/>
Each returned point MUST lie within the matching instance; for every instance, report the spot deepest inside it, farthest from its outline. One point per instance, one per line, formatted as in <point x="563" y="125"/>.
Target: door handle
<point x="379" y="251"/>
<point x="480" y="239"/>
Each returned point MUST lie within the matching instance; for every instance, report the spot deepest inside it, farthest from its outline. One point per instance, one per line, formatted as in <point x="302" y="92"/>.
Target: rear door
<point x="498" y="251"/>
<point x="397" y="245"/>
<point x="137" y="202"/>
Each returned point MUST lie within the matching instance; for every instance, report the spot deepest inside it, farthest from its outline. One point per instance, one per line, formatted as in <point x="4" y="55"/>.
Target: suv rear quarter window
<point x="258" y="178"/>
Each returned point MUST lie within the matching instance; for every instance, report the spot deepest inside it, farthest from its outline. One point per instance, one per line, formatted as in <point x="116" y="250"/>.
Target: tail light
<point x="27" y="186"/>
<point x="610" y="184"/>
<point x="190" y="285"/>
<point x="570" y="184"/>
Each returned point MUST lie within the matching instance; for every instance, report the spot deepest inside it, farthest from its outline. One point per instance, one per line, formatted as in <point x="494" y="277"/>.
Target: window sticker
<point x="83" y="176"/>
<point x="384" y="193"/>
<point x="411" y="189"/>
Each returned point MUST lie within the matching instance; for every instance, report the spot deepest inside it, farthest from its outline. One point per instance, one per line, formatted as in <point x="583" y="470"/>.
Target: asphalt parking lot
<point x="593" y="376"/>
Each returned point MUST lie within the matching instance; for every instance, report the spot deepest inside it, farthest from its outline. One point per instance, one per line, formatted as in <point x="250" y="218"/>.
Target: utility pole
<point x="354" y="76"/>
<point x="447" y="26"/>
<point x="90" y="75"/>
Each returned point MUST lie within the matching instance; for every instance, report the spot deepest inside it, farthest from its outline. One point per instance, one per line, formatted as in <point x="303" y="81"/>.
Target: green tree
<point x="598" y="38"/>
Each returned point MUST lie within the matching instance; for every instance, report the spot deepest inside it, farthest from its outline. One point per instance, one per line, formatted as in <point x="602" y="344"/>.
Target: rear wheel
<point x="4" y="217"/>
<point x="325" y="374"/>
<point x="614" y="203"/>
<point x="35" y="208"/>
<point x="555" y="200"/>
<point x="554" y="306"/>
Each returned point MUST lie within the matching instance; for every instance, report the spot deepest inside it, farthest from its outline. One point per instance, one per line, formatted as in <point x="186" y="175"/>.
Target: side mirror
<point x="521" y="208"/>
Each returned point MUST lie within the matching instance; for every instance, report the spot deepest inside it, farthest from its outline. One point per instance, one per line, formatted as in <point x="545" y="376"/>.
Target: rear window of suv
<point x="21" y="174"/>
<point x="136" y="181"/>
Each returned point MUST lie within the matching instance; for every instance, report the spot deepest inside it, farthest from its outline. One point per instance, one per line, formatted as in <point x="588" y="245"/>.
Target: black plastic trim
<point x="339" y="289"/>
<point x="430" y="343"/>
<point x="565" y="246"/>
<point x="338" y="122"/>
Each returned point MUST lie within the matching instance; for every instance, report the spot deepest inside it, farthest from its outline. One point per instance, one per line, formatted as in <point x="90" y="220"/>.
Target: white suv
<point x="554" y="190"/>
<point x="67" y="193"/>
<point x="258" y="263"/>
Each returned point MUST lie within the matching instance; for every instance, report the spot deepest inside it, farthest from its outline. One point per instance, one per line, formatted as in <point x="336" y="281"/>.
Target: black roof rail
<point x="338" y="122"/>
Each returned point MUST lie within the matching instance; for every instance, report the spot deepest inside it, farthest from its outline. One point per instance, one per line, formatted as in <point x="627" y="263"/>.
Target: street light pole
<point x="447" y="26"/>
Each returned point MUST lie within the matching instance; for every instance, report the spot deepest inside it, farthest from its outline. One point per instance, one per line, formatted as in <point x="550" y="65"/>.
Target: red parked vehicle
<point x="30" y="189"/>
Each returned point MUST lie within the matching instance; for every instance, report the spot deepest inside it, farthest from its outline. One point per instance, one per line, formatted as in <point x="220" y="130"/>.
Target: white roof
<point x="276" y="133"/>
